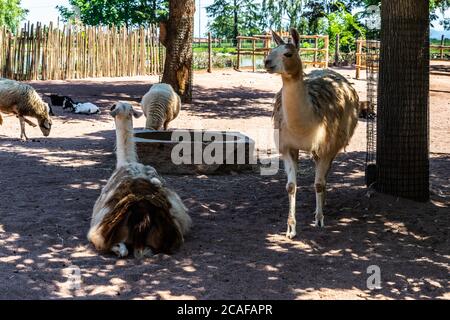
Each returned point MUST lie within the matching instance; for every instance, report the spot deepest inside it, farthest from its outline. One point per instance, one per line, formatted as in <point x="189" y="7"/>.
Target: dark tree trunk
<point x="403" y="102"/>
<point x="178" y="41"/>
<point x="236" y="21"/>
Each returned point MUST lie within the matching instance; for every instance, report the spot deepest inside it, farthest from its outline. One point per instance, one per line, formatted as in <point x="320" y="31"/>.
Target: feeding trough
<point x="195" y="151"/>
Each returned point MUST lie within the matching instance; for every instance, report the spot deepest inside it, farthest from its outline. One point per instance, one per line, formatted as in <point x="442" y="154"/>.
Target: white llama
<point x="135" y="208"/>
<point x="316" y="114"/>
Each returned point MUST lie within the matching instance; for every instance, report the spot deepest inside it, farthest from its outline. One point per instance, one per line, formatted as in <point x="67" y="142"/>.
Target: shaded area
<point x="231" y="103"/>
<point x="236" y="249"/>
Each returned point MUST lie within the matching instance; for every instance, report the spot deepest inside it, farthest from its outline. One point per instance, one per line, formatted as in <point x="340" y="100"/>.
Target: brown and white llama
<point x="136" y="210"/>
<point x="317" y="113"/>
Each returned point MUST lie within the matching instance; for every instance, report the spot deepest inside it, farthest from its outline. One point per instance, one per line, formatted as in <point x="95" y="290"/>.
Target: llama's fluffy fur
<point x="161" y="104"/>
<point x="23" y="101"/>
<point x="317" y="113"/>
<point x="135" y="208"/>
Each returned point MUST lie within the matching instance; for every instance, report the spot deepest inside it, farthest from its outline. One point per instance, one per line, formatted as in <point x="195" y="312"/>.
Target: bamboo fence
<point x="51" y="52"/>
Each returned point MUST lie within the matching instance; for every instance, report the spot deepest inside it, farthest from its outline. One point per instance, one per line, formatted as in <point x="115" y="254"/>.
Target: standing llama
<point x="135" y="208"/>
<point x="316" y="114"/>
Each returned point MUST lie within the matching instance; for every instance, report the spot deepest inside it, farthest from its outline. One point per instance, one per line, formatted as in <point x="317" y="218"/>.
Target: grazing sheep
<point x="136" y="209"/>
<point x="161" y="104"/>
<point x="316" y="114"/>
<point x="23" y="101"/>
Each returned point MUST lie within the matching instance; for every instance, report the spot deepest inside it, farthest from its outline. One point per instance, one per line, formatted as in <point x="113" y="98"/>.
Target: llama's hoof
<point x="120" y="250"/>
<point x="319" y="222"/>
<point x="290" y="233"/>
<point x="141" y="253"/>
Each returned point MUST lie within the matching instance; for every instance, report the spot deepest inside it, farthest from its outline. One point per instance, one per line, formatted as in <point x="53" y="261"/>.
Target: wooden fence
<point x="262" y="44"/>
<point x="72" y="52"/>
<point x="361" y="52"/>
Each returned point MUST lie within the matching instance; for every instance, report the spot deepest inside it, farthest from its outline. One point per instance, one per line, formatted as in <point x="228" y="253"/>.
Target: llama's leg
<point x="1" y="120"/>
<point x="320" y="182"/>
<point x="23" y="136"/>
<point x="141" y="253"/>
<point x="290" y="166"/>
<point x="120" y="250"/>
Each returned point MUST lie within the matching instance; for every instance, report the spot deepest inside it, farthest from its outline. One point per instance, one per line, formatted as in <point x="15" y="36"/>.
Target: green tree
<point x="115" y="12"/>
<point x="285" y="14"/>
<point x="234" y="17"/>
<point x="11" y="14"/>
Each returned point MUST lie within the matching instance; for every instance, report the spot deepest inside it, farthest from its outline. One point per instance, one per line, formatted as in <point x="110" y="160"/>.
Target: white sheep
<point x="135" y="208"/>
<point x="161" y="104"/>
<point x="23" y="101"/>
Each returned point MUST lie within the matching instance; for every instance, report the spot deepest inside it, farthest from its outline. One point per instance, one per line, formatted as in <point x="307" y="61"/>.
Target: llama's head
<point x="123" y="111"/>
<point x="284" y="59"/>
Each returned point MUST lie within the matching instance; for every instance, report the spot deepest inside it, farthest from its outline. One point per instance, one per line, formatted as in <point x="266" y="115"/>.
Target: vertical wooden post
<point x="336" y="52"/>
<point x="442" y="45"/>
<point x="327" y="42"/>
<point x="254" y="54"/>
<point x="209" y="53"/>
<point x="358" y="57"/>
<point x="316" y="47"/>
<point x="238" y="62"/>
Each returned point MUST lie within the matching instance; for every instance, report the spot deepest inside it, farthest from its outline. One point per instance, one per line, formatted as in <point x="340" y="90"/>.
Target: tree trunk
<point x="403" y="102"/>
<point x="178" y="37"/>
<point x="236" y="22"/>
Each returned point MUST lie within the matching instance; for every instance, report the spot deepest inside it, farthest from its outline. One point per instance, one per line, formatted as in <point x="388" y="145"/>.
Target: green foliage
<point x="343" y="23"/>
<point x="223" y="12"/>
<point x="115" y="12"/>
<point x="11" y="14"/>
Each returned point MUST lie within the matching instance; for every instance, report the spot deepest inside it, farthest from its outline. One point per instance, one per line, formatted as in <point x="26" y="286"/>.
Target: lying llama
<point x="23" y="101"/>
<point x="317" y="114"/>
<point x="135" y="208"/>
<point x="161" y="104"/>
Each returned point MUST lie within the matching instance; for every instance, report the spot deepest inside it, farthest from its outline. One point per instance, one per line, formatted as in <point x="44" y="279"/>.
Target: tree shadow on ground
<point x="236" y="249"/>
<point x="227" y="103"/>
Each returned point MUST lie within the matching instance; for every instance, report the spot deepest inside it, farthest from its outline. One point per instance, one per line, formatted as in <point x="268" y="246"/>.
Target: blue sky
<point x="45" y="11"/>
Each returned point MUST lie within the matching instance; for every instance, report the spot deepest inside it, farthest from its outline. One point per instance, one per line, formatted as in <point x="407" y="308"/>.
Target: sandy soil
<point x="237" y="249"/>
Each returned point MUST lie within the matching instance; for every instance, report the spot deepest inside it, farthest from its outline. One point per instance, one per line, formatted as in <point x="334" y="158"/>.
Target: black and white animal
<point x="58" y="100"/>
<point x="83" y="108"/>
<point x="23" y="101"/>
<point x="136" y="210"/>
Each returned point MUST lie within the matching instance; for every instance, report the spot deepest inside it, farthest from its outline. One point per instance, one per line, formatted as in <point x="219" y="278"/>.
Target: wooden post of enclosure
<point x="253" y="54"/>
<point x="327" y="42"/>
<point x="336" y="52"/>
<point x="316" y="47"/>
<point x="442" y="46"/>
<point x="209" y="53"/>
<point x="358" y="57"/>
<point x="238" y="62"/>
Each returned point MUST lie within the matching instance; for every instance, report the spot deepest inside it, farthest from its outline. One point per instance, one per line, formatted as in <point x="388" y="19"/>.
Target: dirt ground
<point x="237" y="248"/>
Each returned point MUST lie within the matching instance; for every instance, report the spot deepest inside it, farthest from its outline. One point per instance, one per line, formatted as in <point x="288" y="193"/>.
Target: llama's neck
<point x="298" y="114"/>
<point x="126" y="149"/>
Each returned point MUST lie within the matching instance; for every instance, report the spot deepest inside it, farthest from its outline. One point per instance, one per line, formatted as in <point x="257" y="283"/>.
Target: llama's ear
<point x="295" y="38"/>
<point x="137" y="114"/>
<point x="113" y="111"/>
<point x="278" y="40"/>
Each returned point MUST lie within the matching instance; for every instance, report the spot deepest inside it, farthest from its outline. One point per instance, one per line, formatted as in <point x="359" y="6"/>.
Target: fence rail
<point x="262" y="44"/>
<point x="51" y="52"/>
<point x="363" y="48"/>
